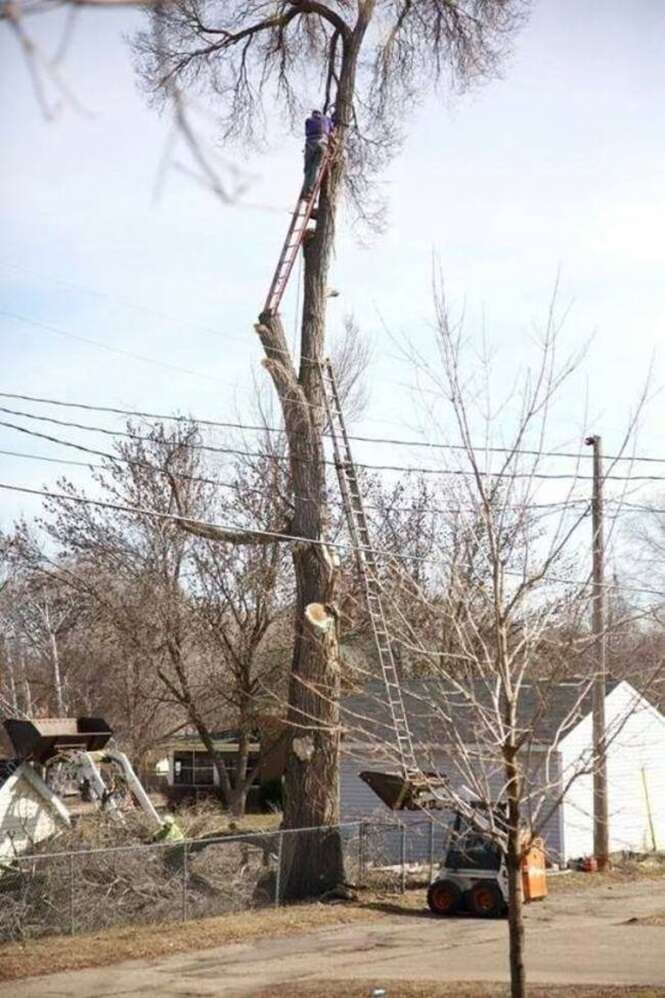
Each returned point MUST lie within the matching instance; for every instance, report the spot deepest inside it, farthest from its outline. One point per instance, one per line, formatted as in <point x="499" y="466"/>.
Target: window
<point x="473" y="851"/>
<point x="193" y="769"/>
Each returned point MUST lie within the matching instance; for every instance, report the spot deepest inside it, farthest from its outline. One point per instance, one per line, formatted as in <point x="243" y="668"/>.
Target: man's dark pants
<point x="313" y="152"/>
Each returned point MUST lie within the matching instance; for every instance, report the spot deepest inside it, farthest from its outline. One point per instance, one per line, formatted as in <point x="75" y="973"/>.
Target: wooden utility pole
<point x="600" y="807"/>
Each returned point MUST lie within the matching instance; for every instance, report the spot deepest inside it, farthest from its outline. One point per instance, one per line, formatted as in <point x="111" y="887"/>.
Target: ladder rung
<point x="355" y="514"/>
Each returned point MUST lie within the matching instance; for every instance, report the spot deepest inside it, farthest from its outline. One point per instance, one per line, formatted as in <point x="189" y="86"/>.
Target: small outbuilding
<point x="560" y="746"/>
<point x="184" y="771"/>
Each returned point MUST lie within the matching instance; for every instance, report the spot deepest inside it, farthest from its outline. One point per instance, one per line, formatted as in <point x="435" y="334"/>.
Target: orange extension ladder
<point x="294" y="237"/>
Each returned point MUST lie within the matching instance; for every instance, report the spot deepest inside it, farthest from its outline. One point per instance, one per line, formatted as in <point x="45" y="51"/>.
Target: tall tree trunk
<point x="311" y="795"/>
<point x="57" y="678"/>
<point x="9" y="664"/>
<point x="514" y="864"/>
<point x="184" y="697"/>
<point x="240" y="788"/>
<point x="224" y="784"/>
<point x="27" y="694"/>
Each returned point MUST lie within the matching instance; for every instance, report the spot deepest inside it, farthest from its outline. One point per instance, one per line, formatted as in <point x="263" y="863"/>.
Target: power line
<point x="392" y="441"/>
<point x="49" y="327"/>
<point x="133" y="306"/>
<point x="243" y="489"/>
<point x="405" y="469"/>
<point x="290" y="538"/>
<point x="117" y="350"/>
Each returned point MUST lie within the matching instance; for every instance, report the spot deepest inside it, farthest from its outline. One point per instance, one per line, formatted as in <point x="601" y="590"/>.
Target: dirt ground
<point x="58" y="953"/>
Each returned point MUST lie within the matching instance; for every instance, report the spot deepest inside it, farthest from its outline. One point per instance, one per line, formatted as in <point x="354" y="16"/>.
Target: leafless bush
<point x="97" y="876"/>
<point x="94" y="888"/>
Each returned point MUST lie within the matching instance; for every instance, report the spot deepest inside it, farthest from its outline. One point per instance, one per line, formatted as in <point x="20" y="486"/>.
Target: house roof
<point x="223" y="741"/>
<point x="438" y="714"/>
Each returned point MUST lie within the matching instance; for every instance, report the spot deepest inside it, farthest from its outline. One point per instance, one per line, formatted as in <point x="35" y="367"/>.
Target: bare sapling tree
<point x="514" y="676"/>
<point x="9" y="677"/>
<point x="373" y="59"/>
<point x="41" y="616"/>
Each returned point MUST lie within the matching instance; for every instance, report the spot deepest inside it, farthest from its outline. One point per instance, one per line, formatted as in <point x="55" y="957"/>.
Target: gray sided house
<point x="559" y="746"/>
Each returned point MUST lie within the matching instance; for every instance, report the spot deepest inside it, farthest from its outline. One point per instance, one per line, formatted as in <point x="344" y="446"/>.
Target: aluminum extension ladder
<point x="358" y="528"/>
<point x="294" y="237"/>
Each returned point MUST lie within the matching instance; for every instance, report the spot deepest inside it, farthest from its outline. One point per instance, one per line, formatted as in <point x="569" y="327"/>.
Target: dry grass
<point x="57" y="953"/>
<point x="434" y="989"/>
<point x="207" y="818"/>
<point x="623" y="871"/>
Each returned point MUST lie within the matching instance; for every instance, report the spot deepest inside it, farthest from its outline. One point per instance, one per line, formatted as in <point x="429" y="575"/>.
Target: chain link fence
<point x="88" y="891"/>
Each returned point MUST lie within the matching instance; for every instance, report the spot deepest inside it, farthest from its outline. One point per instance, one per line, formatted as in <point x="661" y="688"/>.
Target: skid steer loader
<point x="474" y="876"/>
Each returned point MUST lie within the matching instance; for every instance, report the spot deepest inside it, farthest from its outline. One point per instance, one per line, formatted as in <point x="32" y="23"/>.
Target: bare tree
<point x="372" y="58"/>
<point x="193" y="618"/>
<point x="132" y="567"/>
<point x="519" y="619"/>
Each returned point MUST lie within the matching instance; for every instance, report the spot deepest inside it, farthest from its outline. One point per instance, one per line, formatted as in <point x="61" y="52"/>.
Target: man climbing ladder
<point x="319" y="134"/>
<point x="318" y="131"/>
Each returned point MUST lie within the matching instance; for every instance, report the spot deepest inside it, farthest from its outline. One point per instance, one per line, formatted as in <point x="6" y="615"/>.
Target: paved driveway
<point x="573" y="939"/>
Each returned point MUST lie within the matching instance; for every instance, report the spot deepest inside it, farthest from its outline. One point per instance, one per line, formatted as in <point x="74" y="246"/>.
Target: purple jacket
<point x="317" y="127"/>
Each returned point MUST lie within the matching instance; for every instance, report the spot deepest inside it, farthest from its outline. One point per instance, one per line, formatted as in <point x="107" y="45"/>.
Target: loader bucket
<point x="40" y="739"/>
<point x="402" y="794"/>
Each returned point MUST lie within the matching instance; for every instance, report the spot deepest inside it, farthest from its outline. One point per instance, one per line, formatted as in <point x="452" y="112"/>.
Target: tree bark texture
<point x="515" y="894"/>
<point x="57" y="679"/>
<point x="311" y="791"/>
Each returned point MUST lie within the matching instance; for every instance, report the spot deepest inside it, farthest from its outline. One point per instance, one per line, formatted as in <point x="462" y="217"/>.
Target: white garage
<point x="635" y="762"/>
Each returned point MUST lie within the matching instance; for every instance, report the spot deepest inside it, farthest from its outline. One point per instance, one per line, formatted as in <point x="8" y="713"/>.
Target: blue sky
<point x="555" y="168"/>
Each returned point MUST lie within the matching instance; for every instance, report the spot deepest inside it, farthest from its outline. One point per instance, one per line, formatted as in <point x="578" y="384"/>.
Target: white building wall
<point x="635" y="776"/>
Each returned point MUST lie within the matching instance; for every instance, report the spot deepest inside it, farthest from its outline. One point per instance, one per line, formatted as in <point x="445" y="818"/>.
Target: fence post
<point x="185" y="874"/>
<point x="402" y="856"/>
<point x="361" y="851"/>
<point x="71" y="894"/>
<point x="278" y="877"/>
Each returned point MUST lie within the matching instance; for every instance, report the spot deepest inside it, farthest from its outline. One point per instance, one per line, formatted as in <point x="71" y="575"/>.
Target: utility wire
<point x="133" y="306"/>
<point x="110" y="349"/>
<point x="291" y="538"/>
<point x="405" y="469"/>
<point x="386" y="510"/>
<point x="49" y="327"/>
<point x="393" y="441"/>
